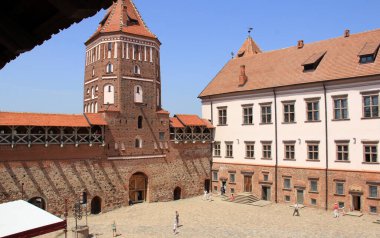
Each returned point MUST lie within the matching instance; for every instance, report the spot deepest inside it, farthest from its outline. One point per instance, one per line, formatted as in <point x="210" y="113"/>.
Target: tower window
<point x="136" y="69"/>
<point x="93" y="71"/>
<point x="109" y="88"/>
<point x="109" y="68"/>
<point x="139" y="122"/>
<point x="109" y="46"/>
<point x="138" y="143"/>
<point x="109" y="94"/>
<point x="138" y="94"/>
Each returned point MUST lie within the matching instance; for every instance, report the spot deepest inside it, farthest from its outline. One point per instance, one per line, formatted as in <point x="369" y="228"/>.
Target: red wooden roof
<point x="182" y="120"/>
<point x="44" y="119"/>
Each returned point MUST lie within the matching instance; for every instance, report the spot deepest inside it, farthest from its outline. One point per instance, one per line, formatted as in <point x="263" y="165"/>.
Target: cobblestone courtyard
<point x="200" y="218"/>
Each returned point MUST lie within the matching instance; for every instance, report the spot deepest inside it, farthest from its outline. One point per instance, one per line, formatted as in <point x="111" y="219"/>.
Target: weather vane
<point x="250" y="30"/>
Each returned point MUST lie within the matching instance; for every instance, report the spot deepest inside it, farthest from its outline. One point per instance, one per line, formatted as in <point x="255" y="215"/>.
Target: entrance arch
<point x="96" y="205"/>
<point x="138" y="186"/>
<point x="38" y="202"/>
<point x="177" y="193"/>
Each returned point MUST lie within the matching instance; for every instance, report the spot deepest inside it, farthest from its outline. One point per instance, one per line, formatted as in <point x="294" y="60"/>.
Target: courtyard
<point x="199" y="218"/>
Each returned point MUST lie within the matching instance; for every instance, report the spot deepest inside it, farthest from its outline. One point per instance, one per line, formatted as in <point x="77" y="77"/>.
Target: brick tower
<point x="122" y="81"/>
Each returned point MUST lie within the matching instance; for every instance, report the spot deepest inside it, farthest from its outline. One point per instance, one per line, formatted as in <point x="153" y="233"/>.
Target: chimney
<point x="300" y="44"/>
<point x="243" y="77"/>
<point x="346" y="33"/>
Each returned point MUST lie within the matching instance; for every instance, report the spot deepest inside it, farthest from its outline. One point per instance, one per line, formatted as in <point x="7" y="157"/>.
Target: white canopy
<point x="22" y="219"/>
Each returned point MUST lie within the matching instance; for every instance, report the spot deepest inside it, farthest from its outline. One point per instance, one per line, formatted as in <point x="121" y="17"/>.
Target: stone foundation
<point x="356" y="183"/>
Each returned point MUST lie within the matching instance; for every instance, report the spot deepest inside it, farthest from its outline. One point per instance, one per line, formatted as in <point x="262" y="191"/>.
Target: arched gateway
<point x="138" y="186"/>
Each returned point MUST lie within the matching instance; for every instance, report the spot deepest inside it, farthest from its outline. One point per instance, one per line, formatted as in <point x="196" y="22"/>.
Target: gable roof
<point x="189" y="120"/>
<point x="248" y="48"/>
<point x="44" y="119"/>
<point x="123" y="16"/>
<point x="284" y="67"/>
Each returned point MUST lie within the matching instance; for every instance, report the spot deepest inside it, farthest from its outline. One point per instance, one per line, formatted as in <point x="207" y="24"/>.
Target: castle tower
<point x="122" y="80"/>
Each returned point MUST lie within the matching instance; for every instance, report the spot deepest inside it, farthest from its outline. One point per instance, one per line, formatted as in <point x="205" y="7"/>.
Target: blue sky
<point x="197" y="38"/>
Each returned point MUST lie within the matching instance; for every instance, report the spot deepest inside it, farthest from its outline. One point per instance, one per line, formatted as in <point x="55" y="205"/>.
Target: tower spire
<point x="249" y="46"/>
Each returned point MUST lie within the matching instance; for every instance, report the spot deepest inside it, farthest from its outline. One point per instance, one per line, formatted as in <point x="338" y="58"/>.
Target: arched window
<point x="138" y="142"/>
<point x="96" y="107"/>
<point x="109" y="94"/>
<point x="136" y="69"/>
<point x="96" y="88"/>
<point x="88" y="91"/>
<point x="93" y="71"/>
<point x="138" y="94"/>
<point x="92" y="92"/>
<point x="139" y="122"/>
<point x="109" y="68"/>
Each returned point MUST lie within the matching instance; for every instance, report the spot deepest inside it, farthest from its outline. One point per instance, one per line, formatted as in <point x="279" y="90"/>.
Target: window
<point x="289" y="114"/>
<point x="370" y="153"/>
<point x="249" y="150"/>
<point x="287" y="184"/>
<point x="313" y="61"/>
<point x="229" y="151"/>
<point x="109" y="46"/>
<point x="247" y="115"/>
<point x="370" y="106"/>
<point x="109" y="68"/>
<point x="217" y="148"/>
<point x="340" y="108"/>
<point x="266" y="114"/>
<point x="339" y="189"/>
<point x="373" y="191"/>
<point x="373" y="209"/>
<point x="313" y="201"/>
<point x="108" y="90"/>
<point x="232" y="177"/>
<point x="314" y="186"/>
<point x="93" y="71"/>
<point x="136" y="69"/>
<point x="266" y="177"/>
<point x="290" y="151"/>
<point x="222" y="116"/>
<point x="312" y="110"/>
<point x="341" y="205"/>
<point x="267" y="150"/>
<point x="366" y="59"/>
<point x="342" y="152"/>
<point x="138" y="94"/>
<point x="88" y="91"/>
<point x="139" y="122"/>
<point x="287" y="198"/>
<point x="215" y="175"/>
<point x="161" y="135"/>
<point x="312" y="151"/>
<point x="138" y="143"/>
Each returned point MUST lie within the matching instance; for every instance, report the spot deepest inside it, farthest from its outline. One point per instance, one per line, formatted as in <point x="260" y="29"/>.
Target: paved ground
<point x="224" y="219"/>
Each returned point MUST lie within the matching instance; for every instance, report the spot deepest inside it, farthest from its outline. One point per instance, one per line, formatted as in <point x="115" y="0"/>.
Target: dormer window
<point x="368" y="53"/>
<point x="313" y="61"/>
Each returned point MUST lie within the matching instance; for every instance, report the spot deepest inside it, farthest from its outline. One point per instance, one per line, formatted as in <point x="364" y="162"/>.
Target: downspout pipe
<point x="211" y="145"/>
<point x="327" y="148"/>
<point x="276" y="145"/>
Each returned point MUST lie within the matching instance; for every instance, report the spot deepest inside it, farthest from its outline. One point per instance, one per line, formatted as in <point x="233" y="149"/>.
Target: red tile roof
<point x="174" y="122"/>
<point x="44" y="119"/>
<point x="284" y="67"/>
<point x="96" y="119"/>
<point x="162" y="111"/>
<point x="208" y="124"/>
<point x="248" y="48"/>
<point x="190" y="120"/>
<point x="123" y="16"/>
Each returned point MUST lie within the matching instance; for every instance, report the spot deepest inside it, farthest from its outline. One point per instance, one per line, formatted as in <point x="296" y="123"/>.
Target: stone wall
<point x="186" y="166"/>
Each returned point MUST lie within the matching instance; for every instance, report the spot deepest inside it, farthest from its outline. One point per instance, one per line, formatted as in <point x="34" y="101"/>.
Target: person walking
<point x="336" y="213"/>
<point x="296" y="210"/>
<point x="114" y="229"/>
<point x="177" y="218"/>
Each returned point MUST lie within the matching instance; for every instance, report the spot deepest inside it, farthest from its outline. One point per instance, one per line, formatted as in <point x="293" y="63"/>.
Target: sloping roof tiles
<point x="96" y="119"/>
<point x="123" y="16"/>
<point x="284" y="67"/>
<point x="44" y="119"/>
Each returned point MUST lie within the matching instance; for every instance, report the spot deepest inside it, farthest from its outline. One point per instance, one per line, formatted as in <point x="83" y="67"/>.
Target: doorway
<point x="299" y="196"/>
<point x="138" y="185"/>
<point x="223" y="188"/>
<point x="177" y="193"/>
<point x="96" y="205"/>
<point x="356" y="202"/>
<point x="207" y="185"/>
<point x="265" y="191"/>
<point x="248" y="183"/>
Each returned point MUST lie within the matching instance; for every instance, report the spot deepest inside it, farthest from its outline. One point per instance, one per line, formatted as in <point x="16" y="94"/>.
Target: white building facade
<point x="311" y="134"/>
